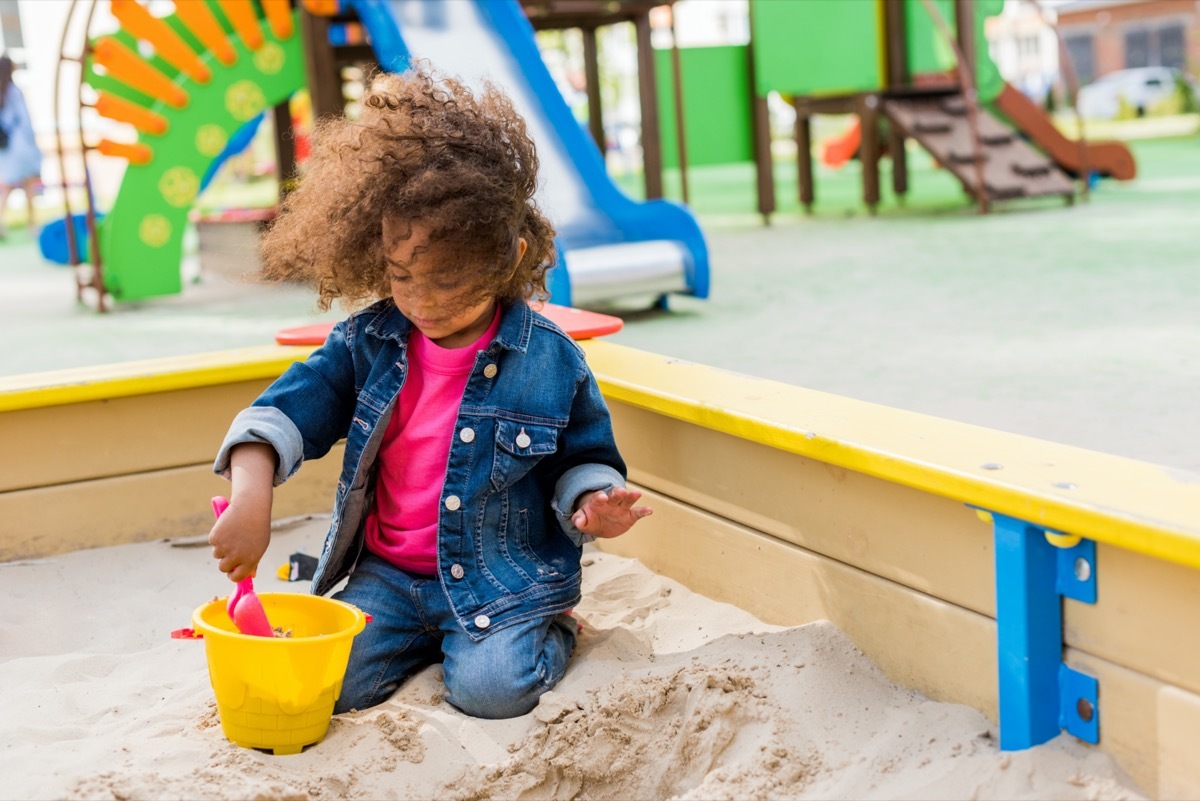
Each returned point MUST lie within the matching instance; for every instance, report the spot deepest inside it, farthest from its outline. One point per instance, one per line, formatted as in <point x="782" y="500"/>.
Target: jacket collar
<point x="384" y="321"/>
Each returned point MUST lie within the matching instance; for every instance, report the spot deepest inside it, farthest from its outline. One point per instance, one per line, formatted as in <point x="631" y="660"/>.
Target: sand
<point x="669" y="695"/>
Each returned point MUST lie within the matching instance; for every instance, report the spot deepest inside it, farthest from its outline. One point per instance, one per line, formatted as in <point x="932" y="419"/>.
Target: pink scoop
<point x="244" y="608"/>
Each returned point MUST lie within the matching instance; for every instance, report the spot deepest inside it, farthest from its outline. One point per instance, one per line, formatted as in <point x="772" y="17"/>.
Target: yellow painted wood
<point x="1141" y="721"/>
<point x="926" y="542"/>
<point x="142" y="507"/>
<point x="1142" y="605"/>
<point x="1141" y="507"/>
<point x="117" y="436"/>
<point x="933" y="544"/>
<point x="1178" y="736"/>
<point x="78" y="385"/>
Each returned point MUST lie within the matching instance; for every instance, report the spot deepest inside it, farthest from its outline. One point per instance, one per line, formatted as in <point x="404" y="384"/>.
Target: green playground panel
<point x="816" y="47"/>
<point x="821" y="47"/>
<point x="141" y="238"/>
<point x="928" y="51"/>
<point x="716" y="105"/>
<point x="987" y="75"/>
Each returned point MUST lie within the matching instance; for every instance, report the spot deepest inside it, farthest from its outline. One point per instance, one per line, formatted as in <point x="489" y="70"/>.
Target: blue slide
<point x="611" y="247"/>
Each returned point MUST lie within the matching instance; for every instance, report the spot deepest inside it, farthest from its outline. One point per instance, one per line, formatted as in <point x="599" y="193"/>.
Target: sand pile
<point x="669" y="695"/>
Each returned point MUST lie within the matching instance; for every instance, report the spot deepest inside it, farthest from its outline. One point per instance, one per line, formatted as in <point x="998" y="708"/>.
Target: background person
<point x="20" y="159"/>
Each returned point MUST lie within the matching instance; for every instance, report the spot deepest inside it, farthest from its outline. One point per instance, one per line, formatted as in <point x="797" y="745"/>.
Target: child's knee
<point x="505" y="675"/>
<point x="487" y="694"/>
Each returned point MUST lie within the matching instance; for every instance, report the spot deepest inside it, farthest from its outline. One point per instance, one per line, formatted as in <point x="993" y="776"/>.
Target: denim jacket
<point x="533" y="433"/>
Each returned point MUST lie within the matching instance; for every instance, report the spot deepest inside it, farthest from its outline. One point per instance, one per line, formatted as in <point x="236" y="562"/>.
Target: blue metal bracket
<point x="1039" y="695"/>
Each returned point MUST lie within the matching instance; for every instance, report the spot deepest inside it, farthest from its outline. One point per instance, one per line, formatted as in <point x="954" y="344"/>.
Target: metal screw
<point x="1085" y="710"/>
<point x="1083" y="569"/>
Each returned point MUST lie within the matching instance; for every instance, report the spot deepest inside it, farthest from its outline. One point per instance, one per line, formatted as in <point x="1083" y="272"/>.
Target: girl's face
<point x="449" y="313"/>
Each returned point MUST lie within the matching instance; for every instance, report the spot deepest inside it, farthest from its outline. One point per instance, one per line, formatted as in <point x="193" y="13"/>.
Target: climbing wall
<point x="184" y="84"/>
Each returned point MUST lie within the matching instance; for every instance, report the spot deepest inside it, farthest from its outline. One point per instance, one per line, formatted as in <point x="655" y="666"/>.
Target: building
<point x="1107" y="35"/>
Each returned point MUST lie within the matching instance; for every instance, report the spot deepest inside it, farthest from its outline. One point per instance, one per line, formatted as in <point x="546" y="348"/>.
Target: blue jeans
<point x="412" y="626"/>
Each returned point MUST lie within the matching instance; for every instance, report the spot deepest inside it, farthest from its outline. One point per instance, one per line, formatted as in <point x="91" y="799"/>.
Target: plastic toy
<point x="245" y="610"/>
<point x="277" y="693"/>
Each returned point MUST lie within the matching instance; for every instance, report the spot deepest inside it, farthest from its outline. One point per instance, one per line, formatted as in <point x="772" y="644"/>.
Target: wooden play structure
<point x="1047" y="586"/>
<point x="907" y="69"/>
<point x="937" y="102"/>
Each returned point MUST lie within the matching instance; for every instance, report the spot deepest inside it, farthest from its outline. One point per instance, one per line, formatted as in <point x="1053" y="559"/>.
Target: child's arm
<point x="241" y="535"/>
<point x="590" y="498"/>
<point x="608" y="514"/>
<point x="300" y="416"/>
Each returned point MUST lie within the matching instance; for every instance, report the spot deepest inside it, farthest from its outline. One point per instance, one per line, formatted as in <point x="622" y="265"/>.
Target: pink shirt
<point x="402" y="526"/>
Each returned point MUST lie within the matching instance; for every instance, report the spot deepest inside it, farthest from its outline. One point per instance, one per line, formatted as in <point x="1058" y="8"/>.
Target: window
<point x="1172" y="50"/>
<point x="1165" y="46"/>
<point x="1137" y="48"/>
<point x="1082" y="53"/>
<point x="10" y="25"/>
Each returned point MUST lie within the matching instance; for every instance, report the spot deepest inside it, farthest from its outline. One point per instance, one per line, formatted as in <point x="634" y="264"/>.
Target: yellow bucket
<point x="278" y="693"/>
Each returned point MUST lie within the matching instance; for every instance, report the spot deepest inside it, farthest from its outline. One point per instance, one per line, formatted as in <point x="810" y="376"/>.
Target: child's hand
<point x="240" y="538"/>
<point x="603" y="514"/>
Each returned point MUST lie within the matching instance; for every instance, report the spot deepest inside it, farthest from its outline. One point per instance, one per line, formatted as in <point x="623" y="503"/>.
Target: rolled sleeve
<point x="575" y="482"/>
<point x="268" y="425"/>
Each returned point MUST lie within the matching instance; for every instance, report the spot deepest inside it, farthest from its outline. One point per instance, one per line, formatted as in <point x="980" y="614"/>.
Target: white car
<point x="1141" y="88"/>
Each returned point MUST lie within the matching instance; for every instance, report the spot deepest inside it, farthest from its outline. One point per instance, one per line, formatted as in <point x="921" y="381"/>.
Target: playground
<point x="924" y="479"/>
<point x="1073" y="325"/>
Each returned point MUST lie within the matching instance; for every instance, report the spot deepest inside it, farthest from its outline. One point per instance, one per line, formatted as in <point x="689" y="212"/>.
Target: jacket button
<point x="452" y="503"/>
<point x="490" y="371"/>
<point x="482" y="621"/>
<point x="467" y="435"/>
<point x="523" y="439"/>
<point x="457" y="571"/>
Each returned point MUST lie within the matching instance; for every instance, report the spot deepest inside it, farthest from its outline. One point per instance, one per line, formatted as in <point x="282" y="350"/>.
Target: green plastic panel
<point x="141" y="238"/>
<point x="716" y="105"/>
<point x="816" y="47"/>
<point x="987" y="75"/>
<point x="928" y="51"/>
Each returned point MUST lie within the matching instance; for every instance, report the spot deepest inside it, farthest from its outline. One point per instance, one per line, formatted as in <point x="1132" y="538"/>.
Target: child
<point x="479" y="451"/>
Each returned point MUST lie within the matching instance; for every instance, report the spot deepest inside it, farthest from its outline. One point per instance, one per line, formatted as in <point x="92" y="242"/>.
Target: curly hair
<point x="425" y="149"/>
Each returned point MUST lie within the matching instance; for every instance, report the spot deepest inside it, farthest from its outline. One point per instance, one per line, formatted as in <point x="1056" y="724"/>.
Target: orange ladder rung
<point x="137" y="20"/>
<point x="122" y="110"/>
<point x="131" y="69"/>
<point x="279" y="17"/>
<point x="200" y="21"/>
<point x="241" y="15"/>
<point x="322" y="8"/>
<point x="134" y="154"/>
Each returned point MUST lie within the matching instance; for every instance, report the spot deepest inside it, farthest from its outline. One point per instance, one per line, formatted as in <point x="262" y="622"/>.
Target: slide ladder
<point x="1011" y="167"/>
